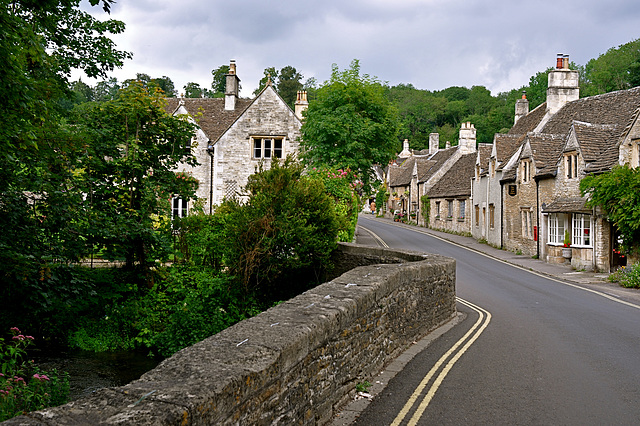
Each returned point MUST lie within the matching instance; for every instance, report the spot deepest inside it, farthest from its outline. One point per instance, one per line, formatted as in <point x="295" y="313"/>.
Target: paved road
<point x="530" y="349"/>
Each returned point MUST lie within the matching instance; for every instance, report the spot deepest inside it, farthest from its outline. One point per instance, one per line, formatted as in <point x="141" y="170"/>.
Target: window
<point x="635" y="153"/>
<point x="492" y="168"/>
<point x="527" y="226"/>
<point x="179" y="207"/>
<point x="267" y="147"/>
<point x="571" y="165"/>
<point x="450" y="208"/>
<point x="437" y="209"/>
<point x="556" y="228"/>
<point x="581" y="230"/>
<point x="526" y="171"/>
<point x="462" y="206"/>
<point x="492" y="215"/>
<point x="477" y="215"/>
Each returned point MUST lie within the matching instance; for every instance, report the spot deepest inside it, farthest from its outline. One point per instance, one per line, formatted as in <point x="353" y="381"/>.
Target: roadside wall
<point x="294" y="363"/>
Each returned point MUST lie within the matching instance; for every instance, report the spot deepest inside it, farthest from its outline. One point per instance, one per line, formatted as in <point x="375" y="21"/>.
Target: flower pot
<point x="566" y="252"/>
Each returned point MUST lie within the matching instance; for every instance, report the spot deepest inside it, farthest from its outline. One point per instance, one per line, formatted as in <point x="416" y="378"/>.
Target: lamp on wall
<point x="211" y="152"/>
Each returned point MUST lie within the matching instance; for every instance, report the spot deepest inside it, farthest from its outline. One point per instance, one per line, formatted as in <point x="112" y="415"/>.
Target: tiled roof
<point x="614" y="108"/>
<point x="210" y="114"/>
<point x="457" y="181"/>
<point x="439" y="158"/>
<point x="573" y="205"/>
<point x="530" y="121"/>
<point x="594" y="139"/>
<point x="401" y="175"/>
<point x="506" y="145"/>
<point x="546" y="150"/>
<point x="605" y="161"/>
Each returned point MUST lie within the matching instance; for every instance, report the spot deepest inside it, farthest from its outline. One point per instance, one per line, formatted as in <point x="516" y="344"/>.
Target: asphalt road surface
<point x="531" y="350"/>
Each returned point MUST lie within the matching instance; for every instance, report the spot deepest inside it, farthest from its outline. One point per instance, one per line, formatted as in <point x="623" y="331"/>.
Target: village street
<point x="528" y="349"/>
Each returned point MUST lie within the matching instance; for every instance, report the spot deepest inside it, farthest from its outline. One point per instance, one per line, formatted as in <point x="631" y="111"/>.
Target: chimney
<point x="522" y="107"/>
<point x="447" y="145"/>
<point x="467" y="138"/>
<point x="434" y="143"/>
<point x="406" y="152"/>
<point x="564" y="85"/>
<point x="232" y="88"/>
<point x="301" y="104"/>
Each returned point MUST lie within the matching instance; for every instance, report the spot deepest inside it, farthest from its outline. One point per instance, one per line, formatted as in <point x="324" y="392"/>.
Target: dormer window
<point x="267" y="147"/>
<point x="571" y="165"/>
<point x="492" y="168"/>
<point x="525" y="171"/>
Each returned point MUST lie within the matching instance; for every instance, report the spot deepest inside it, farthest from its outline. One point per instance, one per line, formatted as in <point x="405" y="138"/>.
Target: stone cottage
<point x="234" y="136"/>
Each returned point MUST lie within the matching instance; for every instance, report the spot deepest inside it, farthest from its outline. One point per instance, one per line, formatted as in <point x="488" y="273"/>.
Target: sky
<point x="431" y="44"/>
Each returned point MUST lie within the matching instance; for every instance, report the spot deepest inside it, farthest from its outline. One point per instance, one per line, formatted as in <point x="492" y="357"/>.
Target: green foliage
<point x="618" y="194"/>
<point x="627" y="276"/>
<point x="287" y="82"/>
<point x="381" y="200"/>
<point x="23" y="386"/>
<point x="219" y="83"/>
<point x="351" y="124"/>
<point x="425" y="208"/>
<point x="340" y="184"/>
<point x="617" y="69"/>
<point x="285" y="231"/>
<point x="363" y="386"/>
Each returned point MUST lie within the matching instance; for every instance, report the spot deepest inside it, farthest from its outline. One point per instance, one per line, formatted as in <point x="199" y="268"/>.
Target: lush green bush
<point x="279" y="243"/>
<point x="627" y="276"/>
<point x="23" y="387"/>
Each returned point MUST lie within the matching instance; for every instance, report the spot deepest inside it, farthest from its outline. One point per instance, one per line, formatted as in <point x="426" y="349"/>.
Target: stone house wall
<point x="520" y="215"/>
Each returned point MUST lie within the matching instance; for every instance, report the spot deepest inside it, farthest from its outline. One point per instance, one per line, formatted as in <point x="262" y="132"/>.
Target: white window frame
<point x="449" y="208"/>
<point x="179" y="207"/>
<point x="267" y="147"/>
<point x="581" y="227"/>
<point x="462" y="206"/>
<point x="557" y="226"/>
<point x="492" y="216"/>
<point x="526" y="171"/>
<point x="527" y="225"/>
<point x="437" y="209"/>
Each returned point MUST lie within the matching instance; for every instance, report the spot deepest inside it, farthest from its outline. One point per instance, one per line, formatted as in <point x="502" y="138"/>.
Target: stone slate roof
<point x="484" y="150"/>
<point x="438" y="159"/>
<point x="563" y="205"/>
<point x="506" y="145"/>
<point x="210" y="114"/>
<point x="530" y="121"/>
<point x="456" y="182"/>
<point x="546" y="150"/>
<point x="594" y="139"/>
<point x="400" y="175"/>
<point x="614" y="108"/>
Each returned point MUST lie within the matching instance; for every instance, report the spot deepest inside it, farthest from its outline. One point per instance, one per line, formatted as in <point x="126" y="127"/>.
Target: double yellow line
<point x="453" y="355"/>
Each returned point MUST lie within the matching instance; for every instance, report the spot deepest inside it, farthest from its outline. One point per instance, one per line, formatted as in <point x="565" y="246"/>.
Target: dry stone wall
<point x="294" y="363"/>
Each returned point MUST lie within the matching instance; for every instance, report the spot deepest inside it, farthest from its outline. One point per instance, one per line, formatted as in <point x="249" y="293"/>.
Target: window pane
<point x="277" y="148"/>
<point x="267" y="148"/>
<point x="257" y="148"/>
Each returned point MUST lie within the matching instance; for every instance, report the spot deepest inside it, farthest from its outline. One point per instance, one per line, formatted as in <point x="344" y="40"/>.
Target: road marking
<point x="596" y="292"/>
<point x="375" y="236"/>
<point x="453" y="355"/>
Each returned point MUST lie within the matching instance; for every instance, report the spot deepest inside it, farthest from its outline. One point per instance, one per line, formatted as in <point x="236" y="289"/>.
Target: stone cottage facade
<point x="234" y="136"/>
<point x="559" y="143"/>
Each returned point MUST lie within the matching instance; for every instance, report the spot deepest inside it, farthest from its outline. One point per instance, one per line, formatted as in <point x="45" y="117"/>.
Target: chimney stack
<point x="564" y="85"/>
<point x="467" y="138"/>
<point x="434" y="143"/>
<point x="301" y="104"/>
<point x="232" y="88"/>
<point x="406" y="152"/>
<point x="522" y="107"/>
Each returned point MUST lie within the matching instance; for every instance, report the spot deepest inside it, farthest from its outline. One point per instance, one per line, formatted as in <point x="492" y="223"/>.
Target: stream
<point x="90" y="371"/>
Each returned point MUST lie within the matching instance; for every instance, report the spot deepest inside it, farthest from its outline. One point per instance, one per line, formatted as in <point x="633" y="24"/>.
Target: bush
<point x="23" y="387"/>
<point x="628" y="276"/>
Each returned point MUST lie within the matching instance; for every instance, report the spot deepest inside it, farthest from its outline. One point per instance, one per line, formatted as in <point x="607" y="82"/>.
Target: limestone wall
<point x="292" y="364"/>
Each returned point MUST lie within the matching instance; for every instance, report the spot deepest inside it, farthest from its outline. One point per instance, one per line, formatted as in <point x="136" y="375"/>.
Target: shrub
<point x="627" y="276"/>
<point x="23" y="387"/>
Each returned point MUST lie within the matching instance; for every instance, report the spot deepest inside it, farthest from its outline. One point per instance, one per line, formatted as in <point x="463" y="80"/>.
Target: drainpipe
<point x="501" y="215"/>
<point x="593" y="240"/>
<point x="538" y="218"/>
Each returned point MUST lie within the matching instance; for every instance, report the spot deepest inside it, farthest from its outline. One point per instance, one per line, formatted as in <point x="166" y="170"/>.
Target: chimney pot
<point x="559" y="61"/>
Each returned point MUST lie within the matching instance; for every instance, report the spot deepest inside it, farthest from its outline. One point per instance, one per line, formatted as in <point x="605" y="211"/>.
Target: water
<point x="90" y="371"/>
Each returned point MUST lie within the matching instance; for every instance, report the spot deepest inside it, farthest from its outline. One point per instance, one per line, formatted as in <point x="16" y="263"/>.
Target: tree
<point x="351" y="124"/>
<point x="289" y="85"/>
<point x="611" y="70"/>
<point x="618" y="194"/>
<point x="219" y="83"/>
<point x="106" y="90"/>
<point x="133" y="149"/>
<point x="193" y="90"/>
<point x="270" y="75"/>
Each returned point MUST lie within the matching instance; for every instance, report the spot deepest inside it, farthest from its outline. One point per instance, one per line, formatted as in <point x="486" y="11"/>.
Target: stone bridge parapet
<point x="293" y="364"/>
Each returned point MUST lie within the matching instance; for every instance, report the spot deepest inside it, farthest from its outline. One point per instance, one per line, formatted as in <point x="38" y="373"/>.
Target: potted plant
<point x="566" y="247"/>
